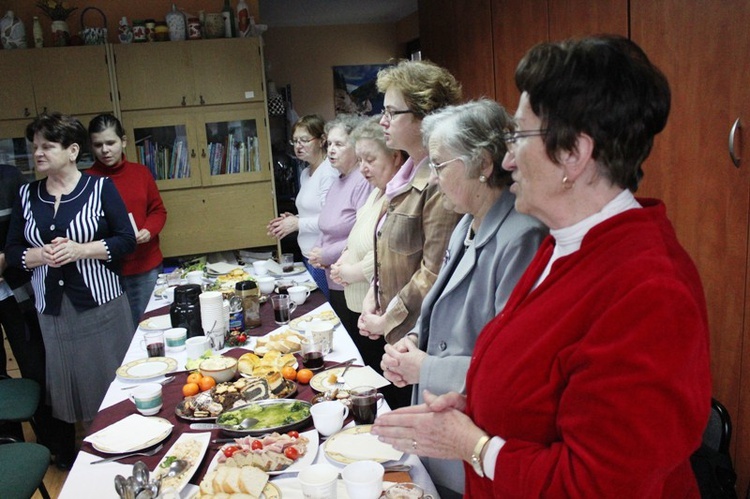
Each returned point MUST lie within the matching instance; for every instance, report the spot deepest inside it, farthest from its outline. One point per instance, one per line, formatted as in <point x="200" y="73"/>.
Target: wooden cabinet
<point x="707" y="197"/>
<point x="209" y="72"/>
<point x="72" y="80"/>
<point x="15" y="149"/>
<point x="195" y="114"/>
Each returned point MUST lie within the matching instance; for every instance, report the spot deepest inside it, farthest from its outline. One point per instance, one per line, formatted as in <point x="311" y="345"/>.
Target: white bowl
<point x="219" y="368"/>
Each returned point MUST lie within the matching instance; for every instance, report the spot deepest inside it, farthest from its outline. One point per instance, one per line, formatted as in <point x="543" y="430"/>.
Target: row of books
<point x="165" y="162"/>
<point x="233" y="156"/>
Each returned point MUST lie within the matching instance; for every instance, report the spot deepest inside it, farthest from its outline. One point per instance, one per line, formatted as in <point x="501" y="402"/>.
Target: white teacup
<point x="175" y="339"/>
<point x="197" y="346"/>
<point x="195" y="277"/>
<point x="363" y="479"/>
<point x="406" y="490"/>
<point x="147" y="398"/>
<point x="319" y="481"/>
<point x="328" y="417"/>
<point x="260" y="268"/>
<point x="266" y="284"/>
<point x="298" y="294"/>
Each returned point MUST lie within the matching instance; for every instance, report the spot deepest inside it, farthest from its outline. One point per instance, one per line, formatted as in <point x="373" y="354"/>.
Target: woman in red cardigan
<point x="594" y="380"/>
<point x="138" y="190"/>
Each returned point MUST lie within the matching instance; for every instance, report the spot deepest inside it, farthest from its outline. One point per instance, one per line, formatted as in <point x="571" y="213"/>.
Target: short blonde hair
<point x="424" y="85"/>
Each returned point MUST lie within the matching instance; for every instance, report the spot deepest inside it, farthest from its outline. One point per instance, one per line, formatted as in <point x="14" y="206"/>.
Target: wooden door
<point x="457" y="36"/>
<point x="707" y="198"/>
<point x="72" y="80"/>
<point x="517" y="26"/>
<point x="227" y="71"/>
<point x="154" y="75"/>
<point x="16" y="91"/>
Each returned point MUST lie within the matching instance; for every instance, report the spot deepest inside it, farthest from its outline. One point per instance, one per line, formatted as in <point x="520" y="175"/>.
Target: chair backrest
<point x="711" y="462"/>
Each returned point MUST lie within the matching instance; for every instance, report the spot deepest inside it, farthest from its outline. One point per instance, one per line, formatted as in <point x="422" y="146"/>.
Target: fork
<point x="163" y="382"/>
<point x="117" y="458"/>
<point x="340" y="378"/>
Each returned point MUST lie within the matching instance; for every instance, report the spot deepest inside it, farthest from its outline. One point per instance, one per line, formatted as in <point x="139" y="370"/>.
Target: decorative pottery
<point x="139" y="31"/>
<point x="124" y="31"/>
<point x="214" y="26"/>
<point x="194" y="29"/>
<point x="12" y="32"/>
<point x="60" y="34"/>
<point x="93" y="35"/>
<point x="38" y="33"/>
<point x="176" y="22"/>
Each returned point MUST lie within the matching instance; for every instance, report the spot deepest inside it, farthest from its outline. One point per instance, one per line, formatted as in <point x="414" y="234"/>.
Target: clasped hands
<point x="61" y="251"/>
<point x="402" y="361"/>
<point x="283" y="225"/>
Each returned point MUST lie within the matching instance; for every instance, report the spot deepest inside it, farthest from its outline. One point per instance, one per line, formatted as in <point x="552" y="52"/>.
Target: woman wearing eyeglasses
<point x="309" y="141"/>
<point x="594" y="380"/>
<point x="413" y="230"/>
<point x="488" y="252"/>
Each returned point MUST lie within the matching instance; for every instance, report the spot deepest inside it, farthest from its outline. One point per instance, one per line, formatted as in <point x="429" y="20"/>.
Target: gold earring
<point x="567" y="185"/>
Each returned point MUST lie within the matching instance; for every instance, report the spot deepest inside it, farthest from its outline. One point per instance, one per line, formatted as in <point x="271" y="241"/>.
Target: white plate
<point x="135" y="442"/>
<point x="202" y="440"/>
<point x="291" y="489"/>
<point x="298" y="324"/>
<point x="299" y="268"/>
<point x="379" y="454"/>
<point x="299" y="464"/>
<point x="157" y="323"/>
<point x="270" y="491"/>
<point x="221" y="268"/>
<point x="320" y="382"/>
<point x="147" y="368"/>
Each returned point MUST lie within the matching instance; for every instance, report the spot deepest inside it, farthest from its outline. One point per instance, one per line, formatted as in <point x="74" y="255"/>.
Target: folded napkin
<point x="365" y="376"/>
<point x="273" y="267"/>
<point x="362" y="446"/>
<point x="129" y="433"/>
<point x="221" y="267"/>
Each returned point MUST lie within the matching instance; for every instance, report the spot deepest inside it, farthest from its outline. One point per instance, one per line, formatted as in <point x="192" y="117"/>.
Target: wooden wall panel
<point x="576" y="18"/>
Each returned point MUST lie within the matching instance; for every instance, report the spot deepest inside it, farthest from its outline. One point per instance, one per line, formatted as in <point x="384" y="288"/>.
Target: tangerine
<point x="190" y="389"/>
<point x="206" y="383"/>
<point x="194" y="377"/>
<point x="289" y="373"/>
<point x="304" y="376"/>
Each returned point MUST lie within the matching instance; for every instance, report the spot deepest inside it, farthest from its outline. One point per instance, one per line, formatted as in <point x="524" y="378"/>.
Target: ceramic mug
<point x="406" y="490"/>
<point x="298" y="294"/>
<point x="175" y="338"/>
<point x="319" y="481"/>
<point x="328" y="417"/>
<point x="147" y="398"/>
<point x="363" y="479"/>
<point x="195" y="277"/>
<point x="266" y="284"/>
<point x="260" y="268"/>
<point x="197" y="346"/>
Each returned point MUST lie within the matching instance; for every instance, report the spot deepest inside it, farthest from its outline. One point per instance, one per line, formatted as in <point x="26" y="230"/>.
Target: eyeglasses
<point x="436" y="168"/>
<point x="510" y="138"/>
<point x="390" y="113"/>
<point x="301" y="141"/>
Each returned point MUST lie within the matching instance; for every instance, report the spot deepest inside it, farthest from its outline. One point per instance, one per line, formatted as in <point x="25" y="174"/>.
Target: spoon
<point x="175" y="468"/>
<point x="140" y="474"/>
<point x="245" y="424"/>
<point x="120" y="484"/>
<point x="163" y="382"/>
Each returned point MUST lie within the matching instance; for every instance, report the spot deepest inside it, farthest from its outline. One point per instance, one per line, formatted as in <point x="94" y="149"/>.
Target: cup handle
<point x="307" y="293"/>
<point x="292" y="307"/>
<point x="346" y="411"/>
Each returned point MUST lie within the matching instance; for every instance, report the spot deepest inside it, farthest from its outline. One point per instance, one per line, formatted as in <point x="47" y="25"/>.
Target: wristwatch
<point x="476" y="455"/>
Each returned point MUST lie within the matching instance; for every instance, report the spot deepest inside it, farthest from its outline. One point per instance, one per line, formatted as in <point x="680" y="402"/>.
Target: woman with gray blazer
<point x="488" y="252"/>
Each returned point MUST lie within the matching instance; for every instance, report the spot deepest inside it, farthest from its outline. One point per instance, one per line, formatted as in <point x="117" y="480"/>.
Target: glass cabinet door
<point x="164" y="145"/>
<point x="236" y="148"/>
<point x="15" y="149"/>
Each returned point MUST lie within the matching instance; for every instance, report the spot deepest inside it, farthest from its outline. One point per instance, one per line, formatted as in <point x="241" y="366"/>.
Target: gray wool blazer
<point x="472" y="287"/>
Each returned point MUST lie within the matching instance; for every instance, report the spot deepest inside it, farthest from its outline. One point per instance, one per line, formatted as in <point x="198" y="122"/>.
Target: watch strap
<point x="476" y="455"/>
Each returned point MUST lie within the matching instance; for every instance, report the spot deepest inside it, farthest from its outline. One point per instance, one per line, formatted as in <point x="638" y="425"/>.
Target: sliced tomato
<point x="230" y="450"/>
<point x="256" y="445"/>
<point x="293" y="434"/>
<point x="291" y="453"/>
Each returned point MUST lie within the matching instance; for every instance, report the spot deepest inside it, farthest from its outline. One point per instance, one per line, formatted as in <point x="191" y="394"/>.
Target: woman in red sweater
<point x="594" y="379"/>
<point x="138" y="190"/>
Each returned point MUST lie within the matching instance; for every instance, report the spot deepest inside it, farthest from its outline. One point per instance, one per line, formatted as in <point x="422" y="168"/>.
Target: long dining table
<point x="87" y="480"/>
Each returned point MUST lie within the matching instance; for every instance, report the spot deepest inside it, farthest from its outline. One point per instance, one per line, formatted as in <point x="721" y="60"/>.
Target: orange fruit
<point x="190" y="389"/>
<point x="289" y="373"/>
<point x="194" y="377"/>
<point x="206" y="383"/>
<point x="304" y="376"/>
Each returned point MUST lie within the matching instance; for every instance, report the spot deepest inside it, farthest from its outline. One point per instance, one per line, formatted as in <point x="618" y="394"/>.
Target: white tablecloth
<point x="97" y="481"/>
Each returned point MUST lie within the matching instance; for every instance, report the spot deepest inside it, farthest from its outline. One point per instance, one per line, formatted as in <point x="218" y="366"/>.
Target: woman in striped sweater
<point x="70" y="230"/>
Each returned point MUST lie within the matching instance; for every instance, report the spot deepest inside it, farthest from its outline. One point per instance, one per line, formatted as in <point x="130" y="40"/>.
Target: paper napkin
<point x="129" y="433"/>
<point x="362" y="446"/>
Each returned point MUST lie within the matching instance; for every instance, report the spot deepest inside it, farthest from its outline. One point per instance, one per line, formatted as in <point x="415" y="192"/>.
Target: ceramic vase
<point x="124" y="31"/>
<point x="176" y="22"/>
<point x="12" y="32"/>
<point x="38" y="33"/>
<point x="60" y="33"/>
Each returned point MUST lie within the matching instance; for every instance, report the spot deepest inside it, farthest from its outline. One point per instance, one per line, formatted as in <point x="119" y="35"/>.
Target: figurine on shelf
<point x="124" y="31"/>
<point x="12" y="32"/>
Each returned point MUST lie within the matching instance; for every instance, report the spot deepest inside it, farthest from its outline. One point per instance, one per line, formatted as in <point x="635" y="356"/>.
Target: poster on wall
<point x="355" y="90"/>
